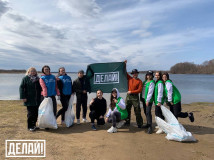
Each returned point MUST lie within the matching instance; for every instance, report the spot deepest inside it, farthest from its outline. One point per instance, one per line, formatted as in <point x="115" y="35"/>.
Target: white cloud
<point x="111" y="35"/>
<point x="80" y="8"/>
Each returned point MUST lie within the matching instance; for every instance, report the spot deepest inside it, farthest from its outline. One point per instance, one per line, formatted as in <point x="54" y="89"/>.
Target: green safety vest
<point x="147" y="90"/>
<point x="123" y="112"/>
<point x="176" y="96"/>
<point x="156" y="93"/>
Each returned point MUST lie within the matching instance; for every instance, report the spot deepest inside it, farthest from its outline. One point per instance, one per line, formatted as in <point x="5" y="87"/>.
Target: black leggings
<point x="32" y="115"/>
<point x="158" y="112"/>
<point x="65" y="102"/>
<point x="176" y="110"/>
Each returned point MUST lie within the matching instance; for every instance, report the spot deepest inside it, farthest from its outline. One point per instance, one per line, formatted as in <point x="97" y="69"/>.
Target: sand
<point x="79" y="142"/>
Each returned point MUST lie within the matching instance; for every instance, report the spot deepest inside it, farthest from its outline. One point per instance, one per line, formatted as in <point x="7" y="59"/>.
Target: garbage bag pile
<point x="174" y="130"/>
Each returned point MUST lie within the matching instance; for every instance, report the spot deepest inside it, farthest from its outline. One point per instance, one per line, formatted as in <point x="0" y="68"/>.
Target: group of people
<point x="34" y="89"/>
<point x="160" y="91"/>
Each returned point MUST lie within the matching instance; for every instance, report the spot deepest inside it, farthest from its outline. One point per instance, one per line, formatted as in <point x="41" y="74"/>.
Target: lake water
<point x="193" y="88"/>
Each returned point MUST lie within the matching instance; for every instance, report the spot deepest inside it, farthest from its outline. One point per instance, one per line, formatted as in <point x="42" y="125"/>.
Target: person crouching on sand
<point x="173" y="99"/>
<point x="98" y="107"/>
<point x="117" y="111"/>
<point x="30" y="91"/>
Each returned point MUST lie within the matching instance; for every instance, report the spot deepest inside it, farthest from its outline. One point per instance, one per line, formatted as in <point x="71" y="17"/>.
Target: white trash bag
<point x="46" y="118"/>
<point x="174" y="130"/>
<point x="69" y="114"/>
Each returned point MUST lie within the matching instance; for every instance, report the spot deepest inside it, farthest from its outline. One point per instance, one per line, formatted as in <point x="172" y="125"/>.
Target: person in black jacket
<point x="98" y="107"/>
<point x="30" y="93"/>
<point x="80" y="87"/>
<point x="64" y="83"/>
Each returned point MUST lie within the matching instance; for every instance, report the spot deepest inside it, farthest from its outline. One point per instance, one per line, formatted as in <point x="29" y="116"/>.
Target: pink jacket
<point x="44" y="88"/>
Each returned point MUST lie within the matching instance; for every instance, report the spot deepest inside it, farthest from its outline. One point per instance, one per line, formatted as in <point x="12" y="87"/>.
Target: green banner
<point x="106" y="76"/>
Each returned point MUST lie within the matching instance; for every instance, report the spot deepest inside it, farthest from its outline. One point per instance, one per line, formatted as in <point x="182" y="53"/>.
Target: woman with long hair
<point x="173" y="99"/>
<point x="30" y="94"/>
<point x="147" y="99"/>
<point x="64" y="84"/>
<point x="117" y="111"/>
<point x="49" y="86"/>
<point x="159" y="97"/>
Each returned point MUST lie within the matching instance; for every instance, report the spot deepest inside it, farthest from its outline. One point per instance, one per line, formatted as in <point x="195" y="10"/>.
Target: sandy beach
<point x="79" y="142"/>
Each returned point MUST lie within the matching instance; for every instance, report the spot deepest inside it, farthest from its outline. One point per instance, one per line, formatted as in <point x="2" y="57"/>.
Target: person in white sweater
<point x="173" y="99"/>
<point x="147" y="99"/>
<point x="117" y="111"/>
<point x="159" y="97"/>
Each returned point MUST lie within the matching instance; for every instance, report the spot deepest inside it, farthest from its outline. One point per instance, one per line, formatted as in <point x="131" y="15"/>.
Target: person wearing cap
<point x="80" y="87"/>
<point x="146" y="97"/>
<point x="132" y="98"/>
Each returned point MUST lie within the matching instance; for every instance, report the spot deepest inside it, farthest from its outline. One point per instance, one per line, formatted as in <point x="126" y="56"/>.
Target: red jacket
<point x="134" y="85"/>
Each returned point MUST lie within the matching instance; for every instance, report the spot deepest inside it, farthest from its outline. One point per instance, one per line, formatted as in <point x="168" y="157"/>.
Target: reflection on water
<point x="193" y="88"/>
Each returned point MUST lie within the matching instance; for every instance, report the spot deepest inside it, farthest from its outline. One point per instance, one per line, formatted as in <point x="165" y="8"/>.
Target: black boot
<point x="146" y="126"/>
<point x="149" y="130"/>
<point x="127" y="123"/>
<point x="191" y="117"/>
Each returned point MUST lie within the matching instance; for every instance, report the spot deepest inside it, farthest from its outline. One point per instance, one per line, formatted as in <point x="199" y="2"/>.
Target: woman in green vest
<point x="159" y="97"/>
<point x="117" y="111"/>
<point x="30" y="93"/>
<point x="146" y="97"/>
<point x="173" y="99"/>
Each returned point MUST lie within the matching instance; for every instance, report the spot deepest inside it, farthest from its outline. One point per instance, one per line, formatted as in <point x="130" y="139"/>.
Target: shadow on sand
<point x="86" y="127"/>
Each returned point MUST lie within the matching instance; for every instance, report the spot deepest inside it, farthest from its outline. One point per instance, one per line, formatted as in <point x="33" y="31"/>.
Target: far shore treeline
<point x="206" y="67"/>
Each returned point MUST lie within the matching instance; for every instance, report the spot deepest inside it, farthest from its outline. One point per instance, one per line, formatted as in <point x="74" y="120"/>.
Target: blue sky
<point x="150" y="34"/>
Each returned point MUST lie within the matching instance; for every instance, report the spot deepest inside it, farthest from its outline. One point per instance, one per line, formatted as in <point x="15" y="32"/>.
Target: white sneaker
<point x="78" y="121"/>
<point x="121" y="123"/>
<point x="112" y="130"/>
<point x="84" y="120"/>
<point x="160" y="131"/>
<point x="157" y="127"/>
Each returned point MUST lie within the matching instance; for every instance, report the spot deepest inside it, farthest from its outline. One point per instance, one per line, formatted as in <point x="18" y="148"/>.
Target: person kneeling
<point x="98" y="109"/>
<point x="117" y="111"/>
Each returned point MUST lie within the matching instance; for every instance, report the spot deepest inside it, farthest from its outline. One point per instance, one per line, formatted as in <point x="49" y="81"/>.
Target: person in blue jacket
<point x="64" y="83"/>
<point x="49" y="86"/>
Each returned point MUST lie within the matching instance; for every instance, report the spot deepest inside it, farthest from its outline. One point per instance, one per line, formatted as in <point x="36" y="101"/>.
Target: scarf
<point x="33" y="78"/>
